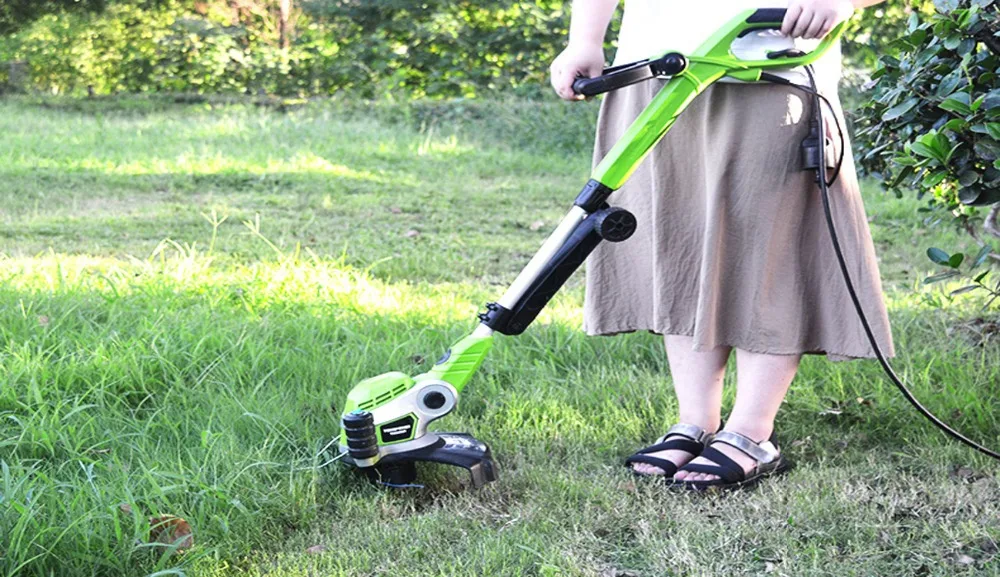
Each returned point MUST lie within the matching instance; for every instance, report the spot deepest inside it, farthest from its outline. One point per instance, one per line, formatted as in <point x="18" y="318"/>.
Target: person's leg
<point x="762" y="381"/>
<point x="697" y="380"/>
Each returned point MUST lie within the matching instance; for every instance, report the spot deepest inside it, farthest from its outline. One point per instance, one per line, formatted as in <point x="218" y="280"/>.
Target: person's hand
<point x="815" y="18"/>
<point x="580" y="59"/>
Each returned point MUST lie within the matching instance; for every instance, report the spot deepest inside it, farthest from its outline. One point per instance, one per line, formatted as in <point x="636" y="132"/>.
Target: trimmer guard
<point x="457" y="449"/>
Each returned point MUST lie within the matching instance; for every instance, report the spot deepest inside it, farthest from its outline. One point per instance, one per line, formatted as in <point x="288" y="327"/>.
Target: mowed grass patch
<point x="417" y="204"/>
<point x="202" y="376"/>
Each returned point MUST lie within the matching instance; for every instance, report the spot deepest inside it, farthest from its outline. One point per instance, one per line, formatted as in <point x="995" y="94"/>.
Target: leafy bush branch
<point x="933" y="121"/>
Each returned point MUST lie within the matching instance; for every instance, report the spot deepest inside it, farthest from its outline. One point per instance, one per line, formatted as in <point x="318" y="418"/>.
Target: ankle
<point x="756" y="430"/>
<point x="708" y="422"/>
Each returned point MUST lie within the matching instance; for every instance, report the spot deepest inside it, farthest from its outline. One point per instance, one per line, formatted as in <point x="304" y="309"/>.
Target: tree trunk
<point x="284" y="26"/>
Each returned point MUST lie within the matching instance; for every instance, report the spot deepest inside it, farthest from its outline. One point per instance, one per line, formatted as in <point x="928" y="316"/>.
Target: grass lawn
<point x="188" y="293"/>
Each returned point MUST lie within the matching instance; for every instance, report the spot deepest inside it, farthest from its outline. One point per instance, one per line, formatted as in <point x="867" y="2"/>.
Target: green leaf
<point x="954" y="104"/>
<point x="935" y="178"/>
<point x="981" y="276"/>
<point x="965" y="289"/>
<point x="987" y="149"/>
<point x="938" y="256"/>
<point x="968" y="178"/>
<point x="921" y="149"/>
<point x="941" y="276"/>
<point x="984" y="253"/>
<point x="949" y="83"/>
<point x="993" y="129"/>
<point x="900" y="109"/>
<point x="956" y="125"/>
<point x="992" y="99"/>
<point x="956" y="260"/>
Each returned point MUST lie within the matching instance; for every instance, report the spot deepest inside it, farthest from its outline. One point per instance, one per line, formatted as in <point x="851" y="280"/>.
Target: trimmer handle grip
<point x="613" y="78"/>
<point x="768" y="16"/>
<point x="764" y="19"/>
<point x="632" y="73"/>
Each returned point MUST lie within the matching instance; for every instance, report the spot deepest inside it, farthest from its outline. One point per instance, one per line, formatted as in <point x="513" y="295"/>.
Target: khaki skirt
<point x="732" y="247"/>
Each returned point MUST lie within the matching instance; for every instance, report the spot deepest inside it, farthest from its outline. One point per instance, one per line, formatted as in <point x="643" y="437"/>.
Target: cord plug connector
<point x="811" y="144"/>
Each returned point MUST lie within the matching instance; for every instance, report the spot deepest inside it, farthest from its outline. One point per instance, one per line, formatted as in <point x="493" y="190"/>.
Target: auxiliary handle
<point x="627" y="74"/>
<point x="716" y="51"/>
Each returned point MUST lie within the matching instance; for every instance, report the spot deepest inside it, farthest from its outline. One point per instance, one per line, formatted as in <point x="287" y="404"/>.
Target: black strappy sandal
<point x="690" y="438"/>
<point x="770" y="462"/>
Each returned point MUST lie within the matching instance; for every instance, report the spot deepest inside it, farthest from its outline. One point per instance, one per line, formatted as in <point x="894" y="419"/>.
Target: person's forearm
<point x="590" y="19"/>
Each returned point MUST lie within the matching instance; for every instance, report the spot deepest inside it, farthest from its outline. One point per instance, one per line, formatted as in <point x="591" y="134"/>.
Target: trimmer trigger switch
<point x="787" y="53"/>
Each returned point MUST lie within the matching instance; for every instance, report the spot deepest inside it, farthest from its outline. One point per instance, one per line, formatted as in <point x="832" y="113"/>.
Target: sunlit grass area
<point x="187" y="294"/>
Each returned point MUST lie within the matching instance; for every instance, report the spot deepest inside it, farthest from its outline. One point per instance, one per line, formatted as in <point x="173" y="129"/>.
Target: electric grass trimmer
<point x="385" y="419"/>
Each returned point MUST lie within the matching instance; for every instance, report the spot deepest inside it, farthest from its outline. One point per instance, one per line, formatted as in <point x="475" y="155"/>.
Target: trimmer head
<point x="384" y="425"/>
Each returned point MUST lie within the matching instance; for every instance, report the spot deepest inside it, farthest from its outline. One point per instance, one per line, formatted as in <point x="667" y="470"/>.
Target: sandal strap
<point x="669" y="468"/>
<point x="688" y="438"/>
<point x="676" y="444"/>
<point x="763" y="452"/>
<point x="693" y="432"/>
<point x="721" y="466"/>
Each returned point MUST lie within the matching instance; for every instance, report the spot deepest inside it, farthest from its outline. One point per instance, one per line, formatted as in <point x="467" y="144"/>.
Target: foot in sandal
<point x="732" y="460"/>
<point x="682" y="443"/>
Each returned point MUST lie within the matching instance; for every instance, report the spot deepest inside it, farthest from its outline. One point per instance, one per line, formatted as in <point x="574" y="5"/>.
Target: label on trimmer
<point x="398" y="430"/>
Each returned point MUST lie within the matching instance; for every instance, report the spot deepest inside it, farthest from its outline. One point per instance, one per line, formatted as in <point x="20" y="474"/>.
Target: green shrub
<point x="933" y="122"/>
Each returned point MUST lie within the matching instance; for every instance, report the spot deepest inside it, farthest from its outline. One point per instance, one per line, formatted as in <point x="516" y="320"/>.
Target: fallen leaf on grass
<point x="962" y="473"/>
<point x="395" y="210"/>
<point x="125" y="508"/>
<point x="43" y="321"/>
<point x="537" y="225"/>
<point x="612" y="572"/>
<point x="964" y="560"/>
<point x="864" y="401"/>
<point x="412" y="233"/>
<point x="988" y="546"/>
<point x="171" y="530"/>
<point x="802" y="442"/>
<point x="316" y="549"/>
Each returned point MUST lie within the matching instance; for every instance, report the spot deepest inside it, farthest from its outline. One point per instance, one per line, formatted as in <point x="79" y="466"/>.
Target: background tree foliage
<point x="15" y="14"/>
<point x="308" y="47"/>
<point x="370" y="47"/>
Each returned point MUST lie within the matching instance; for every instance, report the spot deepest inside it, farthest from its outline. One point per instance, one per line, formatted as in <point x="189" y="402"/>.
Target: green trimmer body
<point x="385" y="420"/>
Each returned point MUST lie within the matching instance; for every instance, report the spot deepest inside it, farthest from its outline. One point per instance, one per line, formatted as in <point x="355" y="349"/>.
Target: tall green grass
<point x="188" y="293"/>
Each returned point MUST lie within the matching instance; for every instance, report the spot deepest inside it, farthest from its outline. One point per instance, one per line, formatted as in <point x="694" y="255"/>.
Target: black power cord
<point x="824" y="187"/>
